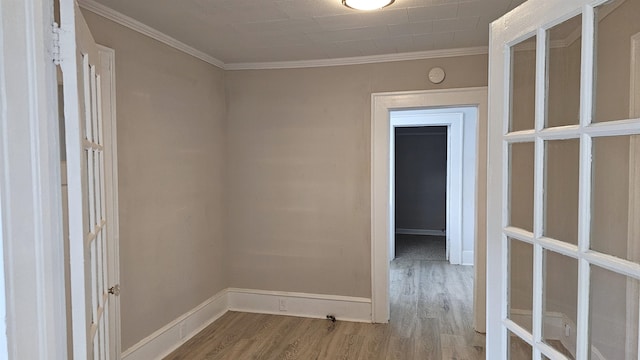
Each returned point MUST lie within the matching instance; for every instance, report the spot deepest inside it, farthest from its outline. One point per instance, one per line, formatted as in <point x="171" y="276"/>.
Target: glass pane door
<point x="564" y="195"/>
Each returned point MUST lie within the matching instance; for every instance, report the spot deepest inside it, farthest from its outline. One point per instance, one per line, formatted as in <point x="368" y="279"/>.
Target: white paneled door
<point x="92" y="289"/>
<point x="563" y="262"/>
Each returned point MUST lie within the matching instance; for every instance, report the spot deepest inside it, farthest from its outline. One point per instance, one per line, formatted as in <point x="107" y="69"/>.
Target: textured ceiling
<point x="244" y="31"/>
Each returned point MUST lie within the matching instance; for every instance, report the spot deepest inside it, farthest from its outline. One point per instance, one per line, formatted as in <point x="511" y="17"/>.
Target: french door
<point x="563" y="262"/>
<point x="92" y="290"/>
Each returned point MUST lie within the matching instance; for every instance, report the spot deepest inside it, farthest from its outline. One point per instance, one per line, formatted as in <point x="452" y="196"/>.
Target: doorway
<point x="420" y="193"/>
<point x="384" y="106"/>
<point x="461" y="127"/>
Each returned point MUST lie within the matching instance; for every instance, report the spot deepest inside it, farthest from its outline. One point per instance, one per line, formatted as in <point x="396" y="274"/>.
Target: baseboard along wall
<point x="557" y="326"/>
<point x="168" y="338"/>
<point x="165" y="340"/>
<point x="468" y="257"/>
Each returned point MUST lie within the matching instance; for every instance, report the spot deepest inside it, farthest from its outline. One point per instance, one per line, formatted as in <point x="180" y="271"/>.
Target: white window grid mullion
<point x="102" y="344"/>
<point x="93" y="331"/>
<point x="99" y="264"/>
<point x="94" y="298"/>
<point x="102" y="185"/>
<point x="584" y="202"/>
<point x="520" y="136"/>
<point x="560" y="133"/>
<point x="519" y="331"/>
<point x="100" y="142"/>
<point x="505" y="313"/>
<point x="99" y="138"/>
<point x="90" y="187"/>
<point x="105" y="273"/>
<point x="97" y="184"/>
<point x="87" y="96"/>
<point x="561" y="247"/>
<point x="105" y="321"/>
<point x="538" y="192"/>
<point x="94" y="105"/>
<point x="613" y="263"/>
<point x="609" y="128"/>
<point x="519" y="234"/>
<point x="550" y="352"/>
<point x="613" y="128"/>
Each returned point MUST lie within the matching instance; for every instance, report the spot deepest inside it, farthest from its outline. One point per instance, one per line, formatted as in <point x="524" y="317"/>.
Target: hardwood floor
<point x="431" y="315"/>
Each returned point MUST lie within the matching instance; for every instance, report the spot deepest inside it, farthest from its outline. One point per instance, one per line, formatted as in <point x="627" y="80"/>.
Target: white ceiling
<point x="249" y="31"/>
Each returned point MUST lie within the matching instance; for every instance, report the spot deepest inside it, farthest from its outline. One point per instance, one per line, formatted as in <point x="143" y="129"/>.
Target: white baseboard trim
<point x="554" y="329"/>
<point x="468" y="257"/>
<point x="162" y="342"/>
<point x="300" y="304"/>
<point x="420" y="232"/>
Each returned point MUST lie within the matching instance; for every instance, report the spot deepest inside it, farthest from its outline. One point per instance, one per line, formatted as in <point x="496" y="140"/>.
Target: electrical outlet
<point x="282" y="303"/>
<point x="567" y="330"/>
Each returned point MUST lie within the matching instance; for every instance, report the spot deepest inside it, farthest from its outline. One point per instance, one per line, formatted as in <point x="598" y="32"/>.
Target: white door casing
<point x="534" y="18"/>
<point x="633" y="292"/>
<point x="382" y="104"/>
<point x="89" y="222"/>
<point x="30" y="199"/>
<point x="107" y="65"/>
<point x="453" y="120"/>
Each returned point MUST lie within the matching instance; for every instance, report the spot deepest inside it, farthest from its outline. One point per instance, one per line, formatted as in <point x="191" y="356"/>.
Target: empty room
<point x="319" y="179"/>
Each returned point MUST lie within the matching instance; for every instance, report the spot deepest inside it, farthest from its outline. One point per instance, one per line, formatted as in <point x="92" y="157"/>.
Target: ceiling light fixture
<point x="367" y="4"/>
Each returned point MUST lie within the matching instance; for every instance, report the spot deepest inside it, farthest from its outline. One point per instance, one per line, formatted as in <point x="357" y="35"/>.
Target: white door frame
<point x="633" y="247"/>
<point x="30" y="197"/>
<point x="531" y="18"/>
<point x="89" y="114"/>
<point x="107" y="63"/>
<point x="381" y="105"/>
<point x="452" y="119"/>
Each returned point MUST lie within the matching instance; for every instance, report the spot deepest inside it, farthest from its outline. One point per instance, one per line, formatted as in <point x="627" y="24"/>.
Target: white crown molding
<point x="133" y="24"/>
<point x="358" y="60"/>
<point x="97" y="8"/>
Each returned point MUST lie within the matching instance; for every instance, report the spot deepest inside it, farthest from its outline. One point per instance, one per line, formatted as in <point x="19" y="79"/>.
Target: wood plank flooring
<point x="431" y="318"/>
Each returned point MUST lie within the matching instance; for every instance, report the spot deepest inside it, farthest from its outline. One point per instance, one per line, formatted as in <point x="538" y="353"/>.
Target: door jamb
<point x="633" y="248"/>
<point x="30" y="183"/>
<point x="381" y="105"/>
<point x="454" y="179"/>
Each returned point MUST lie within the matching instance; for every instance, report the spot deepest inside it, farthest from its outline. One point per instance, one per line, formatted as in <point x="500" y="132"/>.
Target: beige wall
<point x="299" y="170"/>
<point x="294" y="152"/>
<point x="297" y="146"/>
<point x="171" y="159"/>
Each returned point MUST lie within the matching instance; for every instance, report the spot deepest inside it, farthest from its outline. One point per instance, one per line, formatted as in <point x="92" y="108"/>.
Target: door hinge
<point x="55" y="49"/>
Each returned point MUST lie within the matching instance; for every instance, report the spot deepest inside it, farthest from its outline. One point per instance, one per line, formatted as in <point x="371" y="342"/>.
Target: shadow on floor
<point x="421" y="247"/>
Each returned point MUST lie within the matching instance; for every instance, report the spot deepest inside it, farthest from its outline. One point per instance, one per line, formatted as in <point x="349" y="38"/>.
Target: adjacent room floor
<point x="431" y="318"/>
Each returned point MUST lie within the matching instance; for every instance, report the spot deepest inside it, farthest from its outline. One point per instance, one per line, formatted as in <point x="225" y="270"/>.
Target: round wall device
<point x="436" y="75"/>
